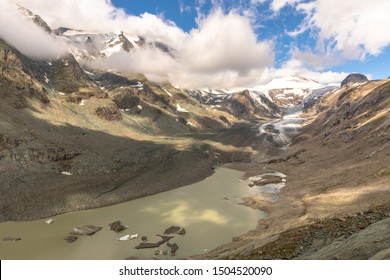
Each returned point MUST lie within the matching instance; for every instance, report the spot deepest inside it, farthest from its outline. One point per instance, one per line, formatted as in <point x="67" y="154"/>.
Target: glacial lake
<point x="209" y="211"/>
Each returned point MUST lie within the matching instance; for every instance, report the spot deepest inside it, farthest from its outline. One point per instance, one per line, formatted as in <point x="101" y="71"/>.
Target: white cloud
<point x="27" y="37"/>
<point x="225" y="42"/>
<point x="221" y="52"/>
<point x="183" y="8"/>
<point x="348" y="29"/>
<point x="255" y="2"/>
<point x="276" y="5"/>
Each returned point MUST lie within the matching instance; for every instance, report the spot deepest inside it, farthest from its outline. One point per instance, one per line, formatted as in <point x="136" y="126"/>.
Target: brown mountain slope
<point x="117" y="139"/>
<point x="337" y="184"/>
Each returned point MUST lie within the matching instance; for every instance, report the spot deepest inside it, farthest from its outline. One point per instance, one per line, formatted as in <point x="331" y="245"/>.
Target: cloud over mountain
<point x="232" y="44"/>
<point x="27" y="37"/>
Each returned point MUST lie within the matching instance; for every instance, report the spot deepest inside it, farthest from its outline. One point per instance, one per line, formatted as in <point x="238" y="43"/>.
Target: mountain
<point x="74" y="137"/>
<point x="354" y="79"/>
<point x="104" y="128"/>
<point x="336" y="201"/>
<point x="289" y="91"/>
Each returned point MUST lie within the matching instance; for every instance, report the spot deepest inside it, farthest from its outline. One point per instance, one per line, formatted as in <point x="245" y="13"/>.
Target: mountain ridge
<point x="76" y="138"/>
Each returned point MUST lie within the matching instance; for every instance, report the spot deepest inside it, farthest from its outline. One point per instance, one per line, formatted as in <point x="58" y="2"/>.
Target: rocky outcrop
<point x="175" y="230"/>
<point x="125" y="99"/>
<point x="145" y="245"/>
<point x="354" y="78"/>
<point x="117" y="226"/>
<point x="109" y="112"/>
<point x="174" y="247"/>
<point x="35" y="18"/>
<point x="372" y="242"/>
<point x="10" y="238"/>
<point x="85" y="230"/>
<point x="70" y="238"/>
<point x="111" y="81"/>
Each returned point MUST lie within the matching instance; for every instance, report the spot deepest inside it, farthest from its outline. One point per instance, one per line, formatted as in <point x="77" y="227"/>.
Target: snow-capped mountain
<point x="86" y="47"/>
<point x="288" y="91"/>
<point x="239" y="101"/>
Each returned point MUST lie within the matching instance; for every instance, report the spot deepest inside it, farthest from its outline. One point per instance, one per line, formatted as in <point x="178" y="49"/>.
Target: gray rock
<point x="354" y="78"/>
<point x="175" y="230"/>
<point x="145" y="245"/>
<point x="382" y="255"/>
<point x="70" y="238"/>
<point x="371" y="242"/>
<point x="117" y="226"/>
<point x="10" y="238"/>
<point x="174" y="247"/>
<point x="85" y="230"/>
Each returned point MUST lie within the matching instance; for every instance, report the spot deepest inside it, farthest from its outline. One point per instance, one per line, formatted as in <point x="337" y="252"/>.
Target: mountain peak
<point x="292" y="81"/>
<point x="354" y="78"/>
<point x="35" y="18"/>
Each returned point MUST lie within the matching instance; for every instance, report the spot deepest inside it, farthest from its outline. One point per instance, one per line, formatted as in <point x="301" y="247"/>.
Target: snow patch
<point x="180" y="109"/>
<point x="46" y="79"/>
<point x="167" y="92"/>
<point x="109" y="51"/>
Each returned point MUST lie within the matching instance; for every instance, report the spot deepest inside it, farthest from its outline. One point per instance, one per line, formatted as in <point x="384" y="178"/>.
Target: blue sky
<point x="226" y="43"/>
<point x="268" y="24"/>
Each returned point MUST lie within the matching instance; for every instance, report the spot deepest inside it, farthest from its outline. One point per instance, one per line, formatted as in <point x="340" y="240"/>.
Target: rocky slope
<point x="337" y="186"/>
<point x="102" y="137"/>
<point x="74" y="138"/>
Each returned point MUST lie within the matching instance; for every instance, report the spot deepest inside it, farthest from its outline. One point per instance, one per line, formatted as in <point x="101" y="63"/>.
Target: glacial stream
<point x="209" y="211"/>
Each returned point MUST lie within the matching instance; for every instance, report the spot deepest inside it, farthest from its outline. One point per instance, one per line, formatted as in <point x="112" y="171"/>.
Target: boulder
<point x="70" y="238"/>
<point x="174" y="247"/>
<point x="117" y="226"/>
<point x="175" y="230"/>
<point x="10" y="238"/>
<point x="85" y="230"/>
<point x="145" y="245"/>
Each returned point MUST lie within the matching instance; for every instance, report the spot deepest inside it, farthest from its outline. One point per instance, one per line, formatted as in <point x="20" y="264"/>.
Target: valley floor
<point x="336" y="202"/>
<point x="336" y="195"/>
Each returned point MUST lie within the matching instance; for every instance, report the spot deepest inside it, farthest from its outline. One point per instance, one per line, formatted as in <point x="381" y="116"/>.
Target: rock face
<point x="373" y="241"/>
<point x="109" y="112"/>
<point x="354" y="78"/>
<point x="85" y="230"/>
